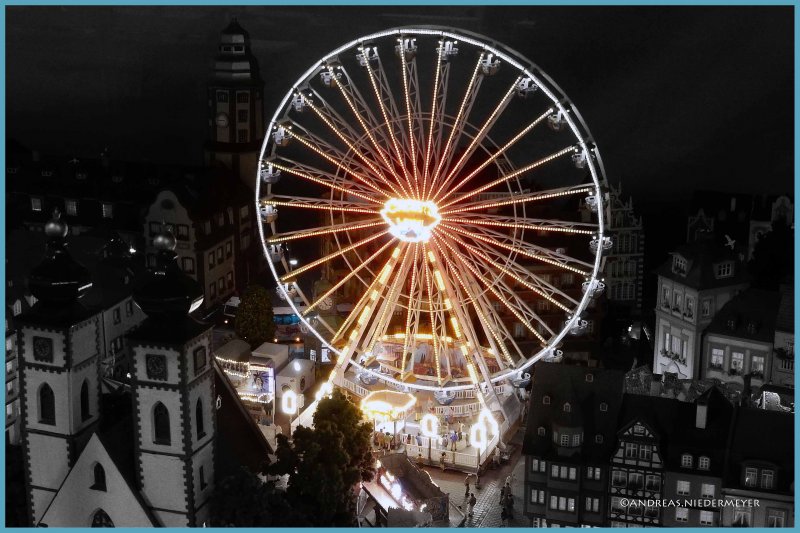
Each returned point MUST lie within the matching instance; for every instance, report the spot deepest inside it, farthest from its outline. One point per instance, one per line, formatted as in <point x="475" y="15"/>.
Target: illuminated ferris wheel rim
<point x="569" y="114"/>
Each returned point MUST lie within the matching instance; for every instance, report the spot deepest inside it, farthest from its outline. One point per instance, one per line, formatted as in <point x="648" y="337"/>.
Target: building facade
<point x="624" y="269"/>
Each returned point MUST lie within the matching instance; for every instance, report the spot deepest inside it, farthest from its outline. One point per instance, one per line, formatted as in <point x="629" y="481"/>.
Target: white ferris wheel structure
<point x="443" y="168"/>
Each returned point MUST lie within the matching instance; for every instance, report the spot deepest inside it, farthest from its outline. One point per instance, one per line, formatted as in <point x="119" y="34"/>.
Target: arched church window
<point x="85" y="414"/>
<point x="47" y="405"/>
<point x="198" y="414"/>
<point x="99" y="478"/>
<point x="101" y="519"/>
<point x="161" y="424"/>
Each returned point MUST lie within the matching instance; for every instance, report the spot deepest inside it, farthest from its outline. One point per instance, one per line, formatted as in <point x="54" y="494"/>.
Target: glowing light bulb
<point x="411" y="220"/>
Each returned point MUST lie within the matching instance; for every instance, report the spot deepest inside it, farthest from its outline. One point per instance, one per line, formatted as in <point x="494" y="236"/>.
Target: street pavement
<point x="487" y="509"/>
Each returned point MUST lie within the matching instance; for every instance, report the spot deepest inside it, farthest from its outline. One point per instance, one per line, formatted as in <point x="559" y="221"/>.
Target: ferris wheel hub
<point x="411" y="220"/>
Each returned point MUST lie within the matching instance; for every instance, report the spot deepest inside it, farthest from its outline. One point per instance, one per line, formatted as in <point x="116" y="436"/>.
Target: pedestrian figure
<point x="503" y="495"/>
<point x="453" y="440"/>
<point x="503" y="518"/>
<point x="496" y="458"/>
<point x="466" y="486"/>
<point x="420" y="460"/>
<point x="472" y="502"/>
<point x="441" y="460"/>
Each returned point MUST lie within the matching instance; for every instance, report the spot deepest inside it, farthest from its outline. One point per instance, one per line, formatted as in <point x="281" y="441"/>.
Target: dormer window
<point x="598" y="439"/>
<point x="704" y="463"/>
<point x="679" y="265"/>
<point x="567" y="408"/>
<point x="686" y="460"/>
<point x="724" y="270"/>
<point x="540" y="431"/>
<point x="589" y="378"/>
<point x="751" y="328"/>
<point x="80" y="175"/>
<point x="546" y="400"/>
<point x="604" y="407"/>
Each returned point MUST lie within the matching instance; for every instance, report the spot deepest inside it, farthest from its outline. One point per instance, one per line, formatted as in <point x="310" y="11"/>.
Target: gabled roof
<point x="565" y="383"/>
<point x="701" y="257"/>
<point x="749" y="315"/>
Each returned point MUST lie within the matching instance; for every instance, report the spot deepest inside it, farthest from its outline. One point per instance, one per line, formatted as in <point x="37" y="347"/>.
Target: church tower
<point x="173" y="394"/>
<point x="59" y="351"/>
<point x="235" y="106"/>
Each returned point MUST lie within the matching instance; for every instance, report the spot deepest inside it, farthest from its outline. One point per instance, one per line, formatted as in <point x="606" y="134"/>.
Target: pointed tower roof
<point x="234" y="63"/>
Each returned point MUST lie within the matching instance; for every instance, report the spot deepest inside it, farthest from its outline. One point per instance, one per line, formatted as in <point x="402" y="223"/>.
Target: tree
<point x="255" y="322"/>
<point x="243" y="500"/>
<point x="773" y="257"/>
<point x="326" y="463"/>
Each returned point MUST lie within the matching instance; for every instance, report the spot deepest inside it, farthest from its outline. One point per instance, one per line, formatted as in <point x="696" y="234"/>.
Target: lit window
<point x="703" y="463"/>
<point x="228" y="249"/>
<point x="618" y="478"/>
<point x="776" y="518"/>
<point x="767" y="479"/>
<point x="686" y="461"/>
<point x="706" y="518"/>
<point x="540" y="431"/>
<point x="188" y="265"/>
<point x="707" y="490"/>
<point x="737" y="363"/>
<point x="750" y="477"/>
<point x="576" y="439"/>
<point x="635" y="480"/>
<point x="71" y="207"/>
<point x="546" y="400"/>
<point x="36" y="204"/>
<point x="742" y="517"/>
<point x="683" y="488"/>
<point x="681" y="514"/>
<point x="564" y="440"/>
<point x="108" y="210"/>
<point x="567" y="408"/>
<point x="757" y="366"/>
<point x="724" y="270"/>
<point x="679" y="265"/>
<point x="706" y="308"/>
<point x="598" y="439"/>
<point x="645" y="452"/>
<point x="604" y="407"/>
<point x="653" y="483"/>
<point x="631" y="450"/>
<point x="717" y="355"/>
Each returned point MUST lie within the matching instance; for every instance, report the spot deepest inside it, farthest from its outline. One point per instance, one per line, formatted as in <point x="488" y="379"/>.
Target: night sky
<point x="677" y="98"/>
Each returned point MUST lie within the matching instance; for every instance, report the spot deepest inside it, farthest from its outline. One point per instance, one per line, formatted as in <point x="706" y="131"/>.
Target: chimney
<point x="701" y="419"/>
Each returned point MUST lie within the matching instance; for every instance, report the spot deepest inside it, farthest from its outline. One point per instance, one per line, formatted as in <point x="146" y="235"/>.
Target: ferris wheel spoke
<point x="437" y="113"/>
<point x="435" y="315"/>
<point x="412" y="312"/>
<point x="371" y="295"/>
<point x="458" y="125"/>
<point x="352" y="273"/>
<point x="499" y="288"/>
<point x="383" y="94"/>
<point x="360" y="151"/>
<point x="500" y="152"/>
<point x="366" y="119"/>
<point x="506" y="177"/>
<point x="483" y="205"/>
<point x="490" y="121"/>
<point x="470" y="287"/>
<point x="410" y="91"/>
<point x="324" y="179"/>
<point x="334" y="156"/>
<point x="334" y="255"/>
<point x="361" y="187"/>
<point x="523" y="223"/>
<point x="322" y="204"/>
<point x="318" y="231"/>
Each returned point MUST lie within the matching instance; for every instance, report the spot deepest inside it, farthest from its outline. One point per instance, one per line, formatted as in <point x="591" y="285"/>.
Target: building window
<point x="750" y="477"/>
<point x="598" y="439"/>
<point x="567" y="408"/>
<point x="108" y="210"/>
<point x="228" y="249"/>
<point x="36" y="204"/>
<point x="707" y="490"/>
<point x="117" y="316"/>
<point x="604" y="407"/>
<point x="666" y="294"/>
<point x="245" y="240"/>
<point x="519" y="330"/>
<point x="724" y="270"/>
<point x="681" y="514"/>
<point x="618" y="478"/>
<point x="616" y="507"/>
<point x="183" y="232"/>
<point x="737" y="363"/>
<point x="207" y="227"/>
<point x="688" y="312"/>
<point x="717" y="355"/>
<point x="537" y="496"/>
<point x="776" y="518"/>
<point x="653" y="482"/>
<point x="576" y="439"/>
<point x="687" y="460"/>
<point x="635" y="480"/>
<point x="155" y="228"/>
<point x="645" y="452"/>
<point x="241" y="115"/>
<point x="221" y="285"/>
<point x="161" y="433"/>
<point x="546" y="400"/>
<point x="679" y="265"/>
<point x="742" y="517"/>
<point x="244" y="212"/>
<point x="564" y="439"/>
<point x="202" y="476"/>
<point x="537" y="465"/>
<point x="220" y="255"/>
<point x="210" y="260"/>
<point x="47" y="405"/>
<point x="222" y="96"/>
<point x="99" y="478"/>
<point x="242" y="97"/>
<point x="704" y="463"/>
<point x="541" y="431"/>
<point x="706" y="518"/>
<point x="705" y="311"/>
<point x="767" y="479"/>
<point x="589" y="378"/>
<point x="85" y="414"/>
<point x="71" y="207"/>
<point x="757" y="366"/>
<point x="631" y="450"/>
<point x="683" y="488"/>
<point x="101" y="519"/>
<point x="229" y="279"/>
<point x="241" y="136"/>
<point x="198" y="416"/>
<point x="199" y="359"/>
<point x="188" y="265"/>
<point x="17" y="308"/>
<point x="129" y="308"/>
<point x="212" y="290"/>
<point x="554" y="471"/>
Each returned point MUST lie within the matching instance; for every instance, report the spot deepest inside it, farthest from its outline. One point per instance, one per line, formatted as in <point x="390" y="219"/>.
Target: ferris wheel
<point x="452" y="200"/>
